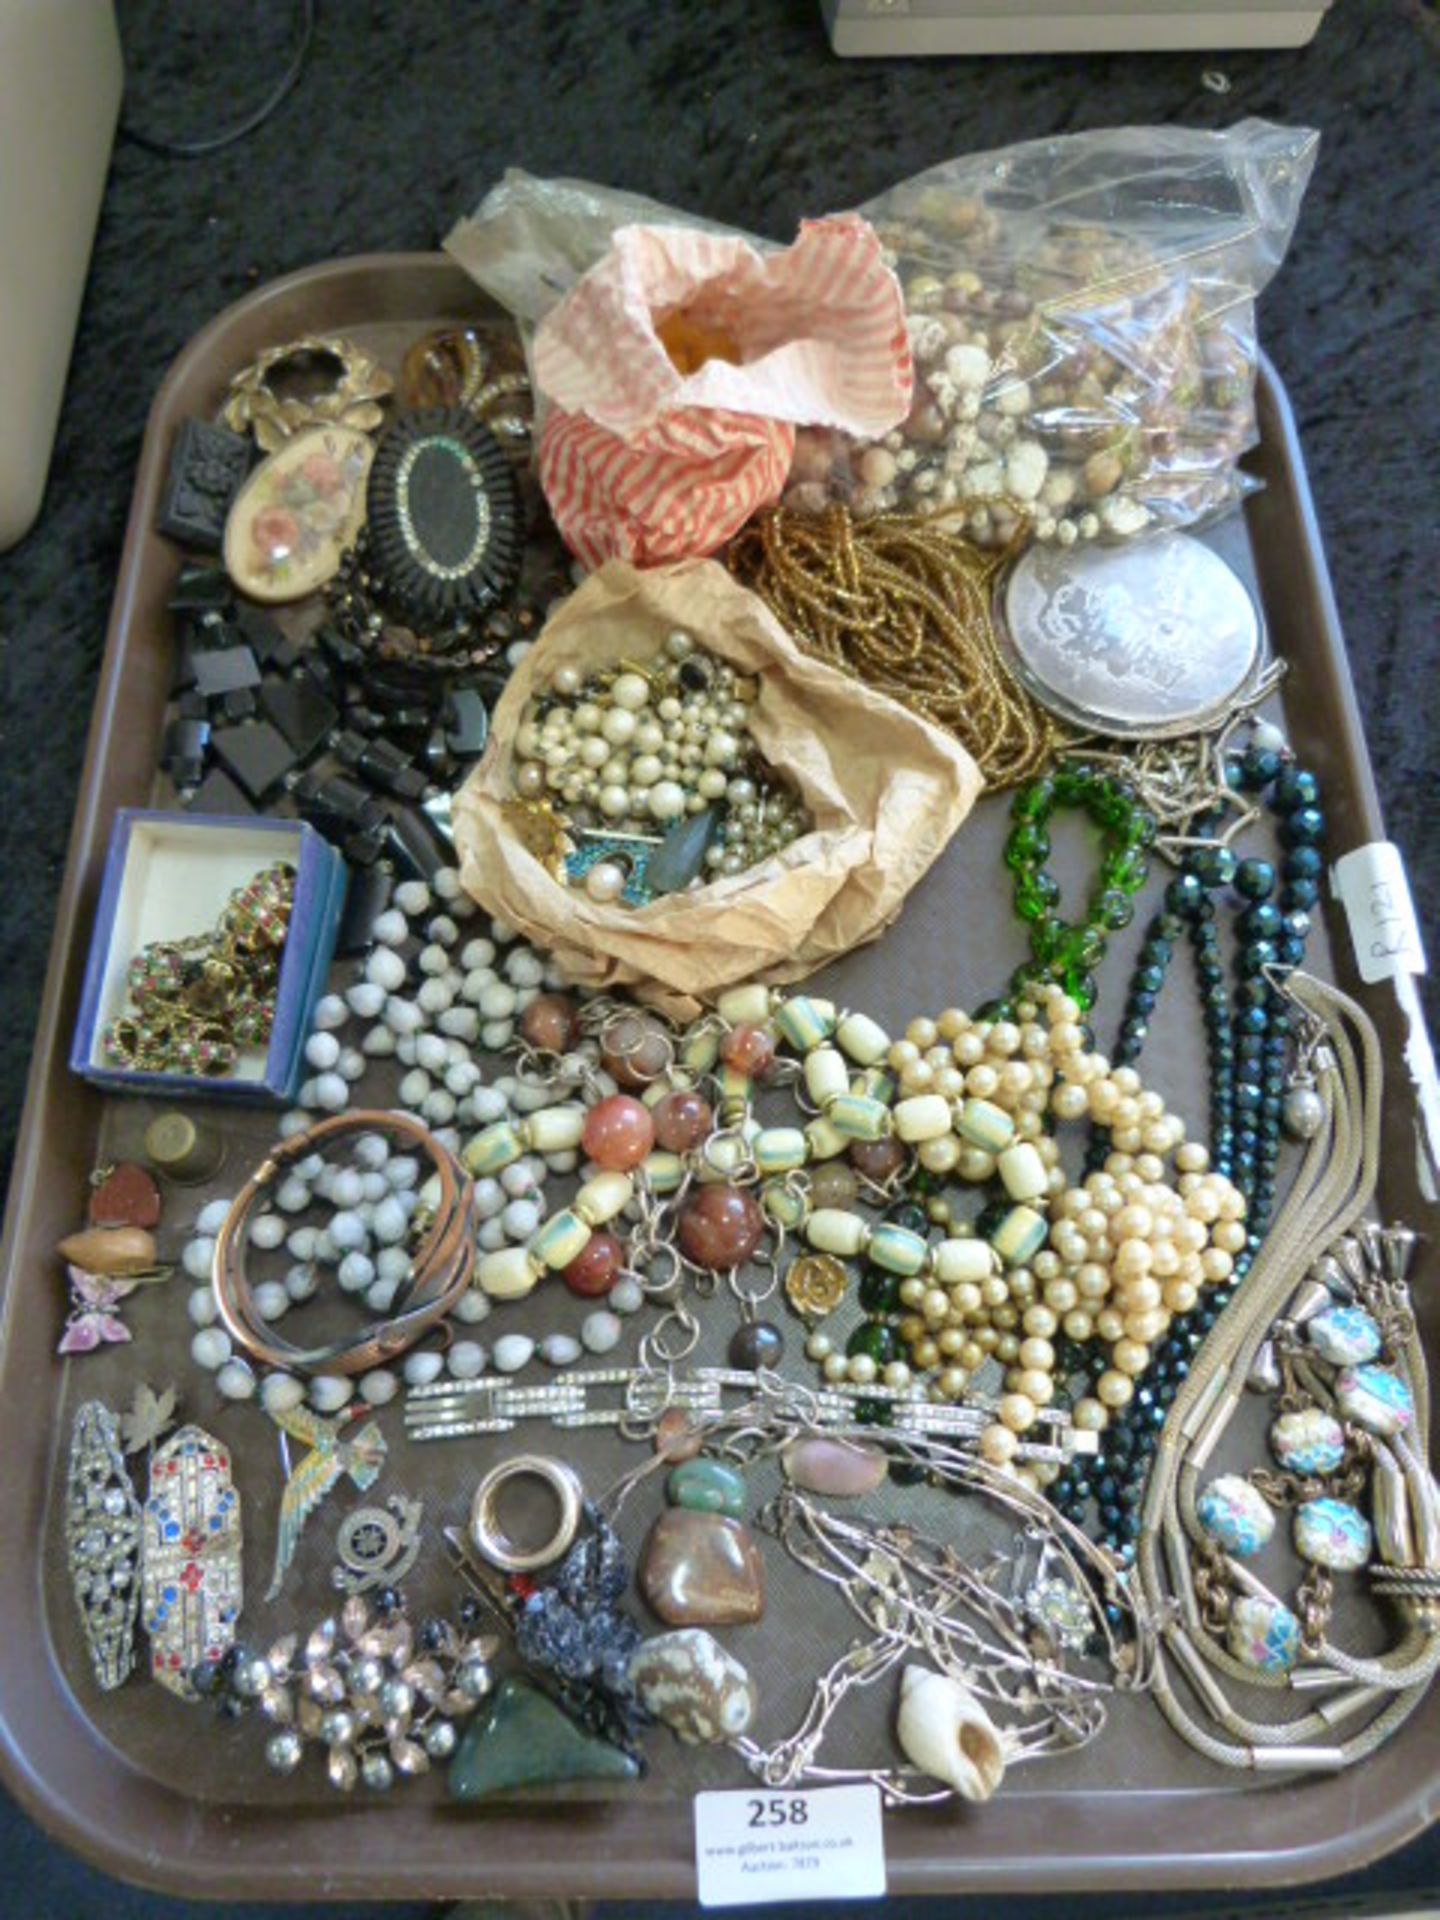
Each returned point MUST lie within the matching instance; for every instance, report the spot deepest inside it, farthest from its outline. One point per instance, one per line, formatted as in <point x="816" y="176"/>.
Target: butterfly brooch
<point x="92" y="1320"/>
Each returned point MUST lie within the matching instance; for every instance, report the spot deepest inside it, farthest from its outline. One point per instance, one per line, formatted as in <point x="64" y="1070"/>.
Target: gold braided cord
<point x="901" y="604"/>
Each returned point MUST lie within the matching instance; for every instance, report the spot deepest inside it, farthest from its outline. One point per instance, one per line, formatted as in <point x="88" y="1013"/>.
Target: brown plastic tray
<point x="132" y="1783"/>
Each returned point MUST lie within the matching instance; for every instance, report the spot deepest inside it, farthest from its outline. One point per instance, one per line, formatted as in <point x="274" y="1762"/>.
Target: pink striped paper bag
<point x="677" y="369"/>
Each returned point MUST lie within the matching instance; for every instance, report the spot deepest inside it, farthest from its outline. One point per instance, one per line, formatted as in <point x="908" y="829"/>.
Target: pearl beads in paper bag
<point x="885" y="790"/>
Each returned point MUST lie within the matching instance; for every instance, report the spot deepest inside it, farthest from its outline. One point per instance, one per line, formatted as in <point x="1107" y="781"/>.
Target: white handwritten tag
<point x="828" y="1844"/>
<point x="1375" y="893"/>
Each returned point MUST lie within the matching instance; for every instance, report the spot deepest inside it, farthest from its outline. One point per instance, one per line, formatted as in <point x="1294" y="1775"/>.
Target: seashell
<point x="947" y="1733"/>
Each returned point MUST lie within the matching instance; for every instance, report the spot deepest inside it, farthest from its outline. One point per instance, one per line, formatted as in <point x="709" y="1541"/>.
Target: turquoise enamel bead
<point x="1333" y="1534"/>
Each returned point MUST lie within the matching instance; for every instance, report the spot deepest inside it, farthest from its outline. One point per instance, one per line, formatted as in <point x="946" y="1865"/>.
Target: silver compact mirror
<point x="1142" y="641"/>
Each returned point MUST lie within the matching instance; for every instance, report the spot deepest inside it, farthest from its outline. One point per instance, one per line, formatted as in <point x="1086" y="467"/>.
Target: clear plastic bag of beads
<point x="1082" y="318"/>
<point x="1081" y="314"/>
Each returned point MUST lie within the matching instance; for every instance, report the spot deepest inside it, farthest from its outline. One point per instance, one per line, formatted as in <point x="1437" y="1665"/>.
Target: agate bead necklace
<point x="428" y="993"/>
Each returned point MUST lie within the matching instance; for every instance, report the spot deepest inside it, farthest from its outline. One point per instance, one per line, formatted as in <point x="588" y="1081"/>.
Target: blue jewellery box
<point x="168" y="876"/>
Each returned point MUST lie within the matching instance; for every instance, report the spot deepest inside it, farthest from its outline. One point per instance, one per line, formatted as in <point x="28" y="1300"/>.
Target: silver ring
<point x="494" y="1544"/>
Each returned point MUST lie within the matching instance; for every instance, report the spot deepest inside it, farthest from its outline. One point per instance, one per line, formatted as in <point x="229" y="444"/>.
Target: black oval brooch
<point x="443" y="516"/>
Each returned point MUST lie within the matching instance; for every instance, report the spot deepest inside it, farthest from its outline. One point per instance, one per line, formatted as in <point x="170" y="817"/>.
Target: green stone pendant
<point x="707" y="1486"/>
<point x="523" y="1740"/>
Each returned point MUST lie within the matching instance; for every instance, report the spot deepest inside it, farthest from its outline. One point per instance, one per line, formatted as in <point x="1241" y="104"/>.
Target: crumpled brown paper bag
<point x="886" y="791"/>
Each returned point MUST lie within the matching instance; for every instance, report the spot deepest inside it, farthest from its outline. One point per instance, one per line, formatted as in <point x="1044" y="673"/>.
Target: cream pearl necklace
<point x="1110" y="1261"/>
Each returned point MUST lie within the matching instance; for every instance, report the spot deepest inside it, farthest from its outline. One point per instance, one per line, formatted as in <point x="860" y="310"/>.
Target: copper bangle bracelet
<point x="440" y="1273"/>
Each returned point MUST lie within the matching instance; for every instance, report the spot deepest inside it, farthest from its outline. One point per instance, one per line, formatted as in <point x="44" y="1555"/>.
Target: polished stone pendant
<point x="1263" y="1634"/>
<point x="706" y="1486"/>
<point x="443" y="514"/>
<point x="102" y="1540"/>
<point x="523" y="1739"/>
<point x="298" y="513"/>
<point x="702" y="1570"/>
<point x="1333" y="1534"/>
<point x="192" y="1579"/>
<point x="692" y="1683"/>
<point x="124" y="1196"/>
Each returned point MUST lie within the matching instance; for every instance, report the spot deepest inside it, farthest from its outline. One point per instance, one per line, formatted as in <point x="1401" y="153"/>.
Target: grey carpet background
<point x="406" y="112"/>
